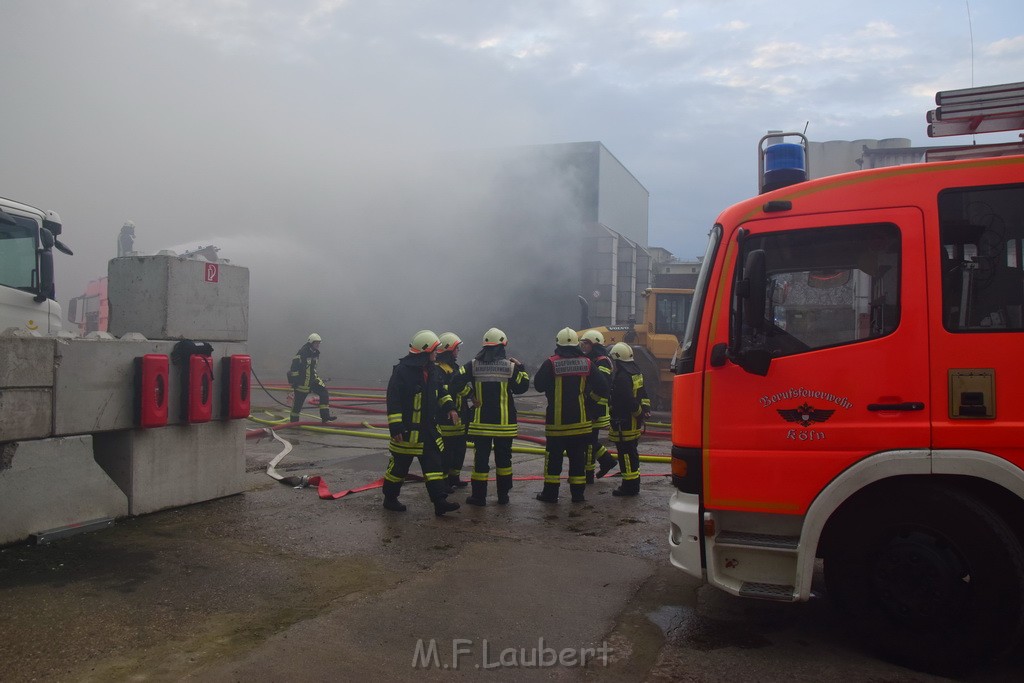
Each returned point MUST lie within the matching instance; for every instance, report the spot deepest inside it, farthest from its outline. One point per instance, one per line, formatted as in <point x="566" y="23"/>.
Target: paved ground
<point x="276" y="585"/>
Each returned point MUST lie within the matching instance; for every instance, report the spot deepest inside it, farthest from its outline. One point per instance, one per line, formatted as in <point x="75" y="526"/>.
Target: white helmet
<point x="449" y="341"/>
<point x="621" y="351"/>
<point x="495" y="337"/>
<point x="567" y="337"/>
<point x="313" y="338"/>
<point x="424" y="341"/>
<point x="592" y="336"/>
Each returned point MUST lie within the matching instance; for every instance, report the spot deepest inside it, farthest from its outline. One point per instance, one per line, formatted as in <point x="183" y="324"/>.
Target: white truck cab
<point x="27" y="238"/>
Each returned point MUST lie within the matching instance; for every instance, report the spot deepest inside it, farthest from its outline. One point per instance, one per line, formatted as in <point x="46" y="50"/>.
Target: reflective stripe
<point x="578" y="480"/>
<point x="574" y="429"/>
<point x="555" y="479"/>
<point x="486" y="429"/>
<point x="387" y="473"/>
<point x="503" y="471"/>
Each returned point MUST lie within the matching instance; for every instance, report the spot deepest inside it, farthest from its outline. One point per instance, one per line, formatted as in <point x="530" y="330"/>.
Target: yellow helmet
<point x="592" y="336"/>
<point x="449" y="341"/>
<point x="313" y="338"/>
<point x="495" y="337"/>
<point x="621" y="351"/>
<point x="424" y="341"/>
<point x="567" y="337"/>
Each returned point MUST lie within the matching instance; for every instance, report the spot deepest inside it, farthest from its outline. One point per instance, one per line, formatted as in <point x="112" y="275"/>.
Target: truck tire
<point x="648" y="365"/>
<point x="929" y="577"/>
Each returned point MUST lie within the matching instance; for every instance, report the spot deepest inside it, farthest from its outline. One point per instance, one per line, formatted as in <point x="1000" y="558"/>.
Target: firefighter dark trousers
<point x="629" y="464"/>
<point x="575" y="448"/>
<point x="300" y="398"/>
<point x="502" y="466"/>
<point x="433" y="474"/>
<point x="597" y="454"/>
<point x="454" y="456"/>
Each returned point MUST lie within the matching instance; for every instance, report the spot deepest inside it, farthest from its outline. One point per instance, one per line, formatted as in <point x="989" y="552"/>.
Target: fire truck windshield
<point x="687" y="348"/>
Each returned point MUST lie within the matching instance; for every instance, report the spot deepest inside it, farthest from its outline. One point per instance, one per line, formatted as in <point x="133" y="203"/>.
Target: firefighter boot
<point x="549" y="494"/>
<point x="441" y="506"/>
<point x="605" y="463"/>
<point x="504" y="486"/>
<point x="629" y="487"/>
<point x="479" y="495"/>
<point x="327" y="416"/>
<point x="391" y="490"/>
<point x="577" y="492"/>
<point x="456" y="483"/>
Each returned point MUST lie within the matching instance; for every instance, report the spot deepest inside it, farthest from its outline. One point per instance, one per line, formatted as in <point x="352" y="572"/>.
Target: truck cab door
<point x="844" y="326"/>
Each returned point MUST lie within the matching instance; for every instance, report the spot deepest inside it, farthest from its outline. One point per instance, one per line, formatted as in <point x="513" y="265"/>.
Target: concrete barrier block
<point x="95" y="384"/>
<point x="26" y="413"/>
<point x="175" y="465"/>
<point x="26" y="361"/>
<point x="170" y="297"/>
<point x="51" y="483"/>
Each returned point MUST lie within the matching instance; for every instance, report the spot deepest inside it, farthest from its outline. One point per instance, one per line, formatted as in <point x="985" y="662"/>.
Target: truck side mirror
<point x="750" y="301"/>
<point x="755" y="289"/>
<point x="46" y="288"/>
<point x="47" y="239"/>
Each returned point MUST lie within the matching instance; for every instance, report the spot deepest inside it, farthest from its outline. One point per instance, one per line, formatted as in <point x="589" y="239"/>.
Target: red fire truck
<point x="850" y="399"/>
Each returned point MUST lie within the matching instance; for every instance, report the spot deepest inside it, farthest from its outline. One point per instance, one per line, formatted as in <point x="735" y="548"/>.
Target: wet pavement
<point x="277" y="585"/>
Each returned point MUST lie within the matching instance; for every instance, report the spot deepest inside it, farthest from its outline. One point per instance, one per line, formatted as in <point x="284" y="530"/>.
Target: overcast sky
<point x="254" y="124"/>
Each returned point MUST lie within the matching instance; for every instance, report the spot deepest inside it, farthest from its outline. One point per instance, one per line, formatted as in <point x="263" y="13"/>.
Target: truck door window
<point x="982" y="236"/>
<point x="18" y="252"/>
<point x="671" y="313"/>
<point x="827" y="286"/>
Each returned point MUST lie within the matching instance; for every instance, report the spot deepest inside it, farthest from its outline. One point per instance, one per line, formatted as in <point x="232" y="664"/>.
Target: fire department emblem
<point x="805" y="415"/>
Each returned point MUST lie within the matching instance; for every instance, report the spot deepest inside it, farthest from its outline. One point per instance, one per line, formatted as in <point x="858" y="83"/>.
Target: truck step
<point x="767" y="591"/>
<point x="751" y="540"/>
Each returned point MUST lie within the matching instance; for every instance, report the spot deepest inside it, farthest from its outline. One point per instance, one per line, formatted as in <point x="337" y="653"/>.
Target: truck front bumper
<point x="684" y="537"/>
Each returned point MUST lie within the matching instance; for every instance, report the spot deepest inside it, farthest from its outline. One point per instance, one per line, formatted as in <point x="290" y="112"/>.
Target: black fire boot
<point x="391" y="490"/>
<point x="549" y="494"/>
<point x="441" y="506"/>
<point x="456" y="483"/>
<point x="590" y="476"/>
<point x="629" y="487"/>
<point x="327" y="417"/>
<point x="577" y="492"/>
<point x="504" y="486"/>
<point x="479" y="495"/>
<point x="605" y="464"/>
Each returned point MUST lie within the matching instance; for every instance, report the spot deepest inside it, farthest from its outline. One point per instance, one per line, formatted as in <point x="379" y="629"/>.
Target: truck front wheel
<point x="928" y="575"/>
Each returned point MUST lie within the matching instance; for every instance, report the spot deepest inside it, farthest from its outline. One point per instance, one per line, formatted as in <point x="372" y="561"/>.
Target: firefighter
<point x="453" y="435"/>
<point x="568" y="379"/>
<point x="303" y="379"/>
<point x="492" y="380"/>
<point x="630" y="409"/>
<point x="592" y="345"/>
<point x="414" y="399"/>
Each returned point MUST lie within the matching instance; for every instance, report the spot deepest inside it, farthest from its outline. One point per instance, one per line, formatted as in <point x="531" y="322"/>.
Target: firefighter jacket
<point x="493" y="380"/>
<point x="598" y="410"/>
<point x="569" y="379"/>
<point x="415" y="399"/>
<point x="629" y="403"/>
<point x="449" y="370"/>
<point x="302" y="374"/>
